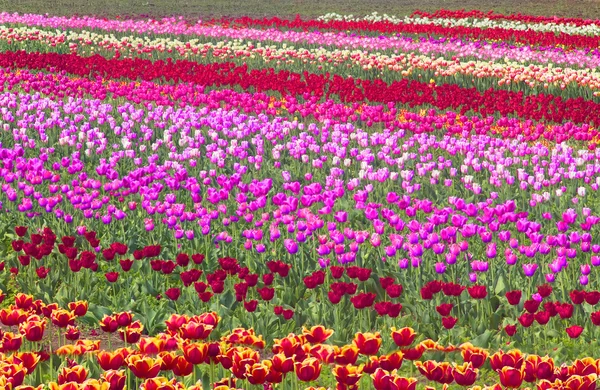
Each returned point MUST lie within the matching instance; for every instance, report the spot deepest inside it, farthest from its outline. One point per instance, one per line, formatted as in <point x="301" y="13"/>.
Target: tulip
<point x="143" y="367"/>
<point x="367" y="343"/>
<point x="511" y="377"/>
<point x="465" y="374"/>
<point x="403" y="337"/>
<point x="308" y="370"/>
<point x="317" y="334"/>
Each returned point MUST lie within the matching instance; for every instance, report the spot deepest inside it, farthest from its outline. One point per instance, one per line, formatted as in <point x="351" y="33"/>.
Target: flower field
<point x="343" y="202"/>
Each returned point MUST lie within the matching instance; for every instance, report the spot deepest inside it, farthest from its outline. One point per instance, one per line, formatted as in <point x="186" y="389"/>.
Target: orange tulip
<point x="585" y="366"/>
<point x="11" y="341"/>
<point x="195" y="353"/>
<point x="538" y="368"/>
<point x="391" y="362"/>
<point x="403" y="383"/>
<point x="109" y="324"/>
<point x="88" y="345"/>
<point x="115" y="379"/>
<point x="465" y="374"/>
<point x="182" y="367"/>
<point x="110" y="360"/>
<point x="65" y="386"/>
<point x="500" y="359"/>
<point x="151" y="345"/>
<point x="210" y="318"/>
<point x="29" y="360"/>
<point x="33" y="330"/>
<point x="403" y="337"/>
<point x="290" y="345"/>
<point x="317" y="334"/>
<point x="197" y="386"/>
<point x="347" y="375"/>
<point x="474" y="355"/>
<point x="76" y="373"/>
<point x="168" y="360"/>
<point x="79" y="308"/>
<point x="367" y="343"/>
<point x="68" y="349"/>
<point x="12" y="317"/>
<point x="431" y="345"/>
<point x="196" y="330"/>
<point x="94" y="384"/>
<point x="161" y="383"/>
<point x="346" y="354"/>
<point x="308" y="370"/>
<point x="23" y="301"/>
<point x="282" y="363"/>
<point x="434" y="371"/>
<point x="257" y="373"/>
<point x="325" y="353"/>
<point x="62" y="318"/>
<point x="143" y="367"/>
<point x="511" y="377"/>
<point x="175" y="321"/>
<point x="413" y="353"/>
<point x="242" y="358"/>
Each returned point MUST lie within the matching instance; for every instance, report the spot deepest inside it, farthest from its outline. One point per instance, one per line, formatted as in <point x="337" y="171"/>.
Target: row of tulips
<point x="464" y="49"/>
<point x="412" y="93"/>
<point x="526" y="37"/>
<point x="97" y="142"/>
<point x="518" y="17"/>
<point x="79" y="202"/>
<point x="59" y="86"/>
<point x="189" y="348"/>
<point x="568" y="82"/>
<point x="591" y="28"/>
<point x="72" y="255"/>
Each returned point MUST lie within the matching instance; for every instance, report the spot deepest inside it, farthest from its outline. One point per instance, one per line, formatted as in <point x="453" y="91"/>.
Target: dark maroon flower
<point x="173" y="293"/>
<point x="266" y="293"/>
<point x="111" y="276"/>
<point x="510" y="330"/>
<point x="444" y="309"/>
<point x="336" y="271"/>
<point x="250" y="306"/>
<point x="514" y="297"/>
<point x="449" y="322"/>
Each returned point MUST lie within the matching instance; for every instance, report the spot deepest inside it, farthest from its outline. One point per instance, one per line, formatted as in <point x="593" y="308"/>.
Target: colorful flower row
<point x="526" y="37"/>
<point x="175" y="358"/>
<point x="412" y="93"/>
<point x="589" y="29"/>
<point x="357" y="63"/>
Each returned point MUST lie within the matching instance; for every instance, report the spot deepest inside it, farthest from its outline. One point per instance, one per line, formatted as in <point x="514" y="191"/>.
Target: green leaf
<point x="483" y="339"/>
<point x="500" y="285"/>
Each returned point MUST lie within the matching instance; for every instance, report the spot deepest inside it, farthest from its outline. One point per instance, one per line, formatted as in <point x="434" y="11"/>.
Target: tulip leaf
<point x="483" y="339"/>
<point x="227" y="299"/>
<point x="500" y="285"/>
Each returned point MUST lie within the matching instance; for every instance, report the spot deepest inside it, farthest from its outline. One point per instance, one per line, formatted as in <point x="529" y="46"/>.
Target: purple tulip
<point x="529" y="269"/>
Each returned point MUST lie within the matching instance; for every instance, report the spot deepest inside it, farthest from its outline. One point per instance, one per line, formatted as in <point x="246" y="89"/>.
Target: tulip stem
<point x="211" y="373"/>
